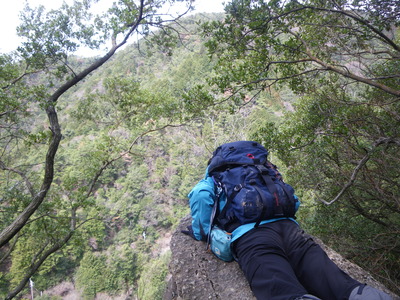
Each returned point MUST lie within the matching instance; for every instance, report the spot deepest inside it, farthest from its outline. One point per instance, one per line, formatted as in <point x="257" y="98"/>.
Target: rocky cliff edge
<point x="197" y="274"/>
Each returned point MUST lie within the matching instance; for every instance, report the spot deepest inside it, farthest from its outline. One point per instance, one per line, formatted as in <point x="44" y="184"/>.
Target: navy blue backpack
<point x="254" y="188"/>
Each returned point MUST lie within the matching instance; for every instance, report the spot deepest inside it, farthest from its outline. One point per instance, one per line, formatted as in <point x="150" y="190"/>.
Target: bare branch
<point x="27" y="182"/>
<point x="361" y="164"/>
<point x="111" y="161"/>
<point x="345" y="72"/>
<point x="357" y="18"/>
<point x="57" y="246"/>
<point x="11" y="248"/>
<point x="40" y="261"/>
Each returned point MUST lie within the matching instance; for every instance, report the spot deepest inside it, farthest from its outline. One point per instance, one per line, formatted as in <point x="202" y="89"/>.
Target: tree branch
<point x="345" y="73"/>
<point x="21" y="219"/>
<point x="37" y="200"/>
<point x="10" y="249"/>
<point x="98" y="63"/>
<point x="27" y="182"/>
<point x="363" y="22"/>
<point x="361" y="164"/>
<point x="109" y="162"/>
<point x="35" y="266"/>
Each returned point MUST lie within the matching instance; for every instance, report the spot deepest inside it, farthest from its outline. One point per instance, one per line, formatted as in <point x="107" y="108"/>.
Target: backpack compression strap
<point x="272" y="189"/>
<point x="229" y="200"/>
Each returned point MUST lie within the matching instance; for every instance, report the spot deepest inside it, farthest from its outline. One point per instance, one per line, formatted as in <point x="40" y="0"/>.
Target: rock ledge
<point x="197" y="274"/>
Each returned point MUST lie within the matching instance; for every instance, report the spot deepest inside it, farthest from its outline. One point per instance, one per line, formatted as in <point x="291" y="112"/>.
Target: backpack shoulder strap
<point x="215" y="209"/>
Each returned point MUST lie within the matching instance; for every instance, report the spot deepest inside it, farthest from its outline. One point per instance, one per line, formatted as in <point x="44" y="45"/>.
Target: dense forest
<point x="98" y="154"/>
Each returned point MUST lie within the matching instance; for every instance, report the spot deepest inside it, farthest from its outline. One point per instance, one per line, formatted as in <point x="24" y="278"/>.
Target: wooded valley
<point x="98" y="154"/>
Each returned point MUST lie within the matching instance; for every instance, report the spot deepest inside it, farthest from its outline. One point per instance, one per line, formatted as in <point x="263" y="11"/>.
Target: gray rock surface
<point x="197" y="274"/>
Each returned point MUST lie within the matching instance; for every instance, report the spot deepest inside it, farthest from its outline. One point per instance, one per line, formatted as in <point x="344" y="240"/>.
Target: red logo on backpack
<point x="251" y="156"/>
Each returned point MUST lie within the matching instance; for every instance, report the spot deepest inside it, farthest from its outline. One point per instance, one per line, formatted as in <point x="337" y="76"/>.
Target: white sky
<point x="9" y="17"/>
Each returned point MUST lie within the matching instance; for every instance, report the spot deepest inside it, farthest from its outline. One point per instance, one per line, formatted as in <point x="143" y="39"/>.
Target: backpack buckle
<point x="263" y="169"/>
<point x="237" y="188"/>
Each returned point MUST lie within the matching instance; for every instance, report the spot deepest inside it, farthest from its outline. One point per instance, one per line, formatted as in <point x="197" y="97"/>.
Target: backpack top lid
<point x="237" y="153"/>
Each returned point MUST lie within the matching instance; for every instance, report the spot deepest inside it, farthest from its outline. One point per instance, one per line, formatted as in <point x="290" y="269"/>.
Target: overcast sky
<point x="9" y="17"/>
